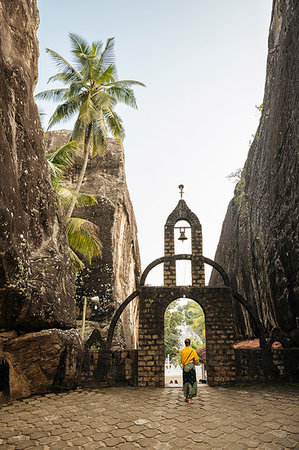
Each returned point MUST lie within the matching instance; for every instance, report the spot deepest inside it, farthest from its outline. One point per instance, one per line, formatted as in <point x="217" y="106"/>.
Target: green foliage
<point x="175" y="316"/>
<point x="83" y="238"/>
<point x="82" y="234"/>
<point x="235" y="176"/>
<point x="260" y="108"/>
<point x="172" y="335"/>
<point x="195" y="343"/>
<point x="195" y="317"/>
<point x="92" y="91"/>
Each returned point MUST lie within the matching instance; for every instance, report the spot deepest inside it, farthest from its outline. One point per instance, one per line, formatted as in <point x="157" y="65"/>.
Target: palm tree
<point x="92" y="93"/>
<point x="82" y="234"/>
<point x="197" y="318"/>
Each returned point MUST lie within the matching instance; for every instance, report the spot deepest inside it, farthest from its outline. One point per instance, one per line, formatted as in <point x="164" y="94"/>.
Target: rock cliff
<point x="113" y="277"/>
<point x="36" y="281"/>
<point x="258" y="246"/>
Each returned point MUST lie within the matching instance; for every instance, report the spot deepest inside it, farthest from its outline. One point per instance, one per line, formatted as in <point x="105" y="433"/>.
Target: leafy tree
<point x="173" y="318"/>
<point x="92" y="92"/>
<point x="195" y="317"/>
<point x="82" y="234"/>
<point x="177" y="315"/>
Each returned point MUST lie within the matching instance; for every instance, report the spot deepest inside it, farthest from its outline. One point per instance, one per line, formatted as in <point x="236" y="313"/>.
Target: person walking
<point x="189" y="357"/>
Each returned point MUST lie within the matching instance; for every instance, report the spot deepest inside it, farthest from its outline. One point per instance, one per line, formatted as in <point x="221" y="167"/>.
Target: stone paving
<point x="264" y="417"/>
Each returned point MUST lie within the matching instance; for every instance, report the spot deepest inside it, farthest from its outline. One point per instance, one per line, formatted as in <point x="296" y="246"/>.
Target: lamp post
<point x="95" y="301"/>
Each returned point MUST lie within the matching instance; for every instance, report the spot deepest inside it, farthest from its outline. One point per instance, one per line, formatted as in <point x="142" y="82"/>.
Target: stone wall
<point x="217" y="305"/>
<point x="258" y="246"/>
<point x="36" y="281"/>
<point x="110" y="368"/>
<point x="127" y="368"/>
<point x="113" y="277"/>
<point x="250" y="364"/>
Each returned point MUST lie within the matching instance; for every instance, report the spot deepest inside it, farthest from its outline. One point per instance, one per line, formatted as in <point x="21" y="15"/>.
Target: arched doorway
<point x="217" y="304"/>
<point x="183" y="318"/>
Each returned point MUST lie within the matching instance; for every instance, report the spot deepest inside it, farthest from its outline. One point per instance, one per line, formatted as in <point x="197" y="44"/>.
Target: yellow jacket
<point x="187" y="355"/>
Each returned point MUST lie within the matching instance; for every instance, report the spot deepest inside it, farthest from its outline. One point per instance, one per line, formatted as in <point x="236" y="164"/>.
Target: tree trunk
<point x="83" y="170"/>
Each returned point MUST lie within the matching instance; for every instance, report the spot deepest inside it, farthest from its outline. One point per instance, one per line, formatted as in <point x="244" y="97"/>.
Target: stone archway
<point x="216" y="303"/>
<point x="217" y="306"/>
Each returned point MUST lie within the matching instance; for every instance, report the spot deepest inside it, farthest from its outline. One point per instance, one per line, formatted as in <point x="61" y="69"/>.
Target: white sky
<point x="204" y="64"/>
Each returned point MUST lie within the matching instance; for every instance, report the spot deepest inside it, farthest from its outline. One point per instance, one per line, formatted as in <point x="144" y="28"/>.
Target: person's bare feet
<point x="190" y="400"/>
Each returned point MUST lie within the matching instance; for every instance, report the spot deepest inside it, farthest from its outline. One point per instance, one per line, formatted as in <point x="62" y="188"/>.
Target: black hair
<point x="187" y="342"/>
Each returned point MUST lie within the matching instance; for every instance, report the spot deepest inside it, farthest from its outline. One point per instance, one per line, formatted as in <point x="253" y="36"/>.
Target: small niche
<point x="4" y="377"/>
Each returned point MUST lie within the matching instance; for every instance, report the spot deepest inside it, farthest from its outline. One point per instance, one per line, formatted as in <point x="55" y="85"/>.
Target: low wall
<point x="110" y="368"/>
<point x="120" y="368"/>
<point x="254" y="365"/>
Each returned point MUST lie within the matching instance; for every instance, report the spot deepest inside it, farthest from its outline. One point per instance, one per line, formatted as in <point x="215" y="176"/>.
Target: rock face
<point x="39" y="362"/>
<point x="36" y="284"/>
<point x="258" y="246"/>
<point x="36" y="281"/>
<point x="113" y="277"/>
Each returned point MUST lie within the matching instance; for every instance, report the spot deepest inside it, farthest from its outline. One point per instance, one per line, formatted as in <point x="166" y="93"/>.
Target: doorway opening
<point x="183" y="244"/>
<point x="4" y="380"/>
<point x="183" y="318"/>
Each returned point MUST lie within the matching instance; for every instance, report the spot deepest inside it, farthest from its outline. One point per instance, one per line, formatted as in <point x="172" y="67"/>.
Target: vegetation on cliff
<point x="82" y="234"/>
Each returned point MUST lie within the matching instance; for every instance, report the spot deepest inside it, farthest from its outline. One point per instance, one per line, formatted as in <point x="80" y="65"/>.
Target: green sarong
<point x="189" y="380"/>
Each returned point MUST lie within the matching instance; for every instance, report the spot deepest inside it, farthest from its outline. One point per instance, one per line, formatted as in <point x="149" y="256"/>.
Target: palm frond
<point x="64" y="112"/>
<point x="99" y="138"/>
<point x="83" y="238"/>
<point x="79" y="45"/>
<point x="77" y="264"/>
<point x="64" y="157"/>
<point x="51" y="94"/>
<point x="85" y="199"/>
<point x="107" y="56"/>
<point x="100" y="98"/>
<point x="78" y="131"/>
<point x="55" y="175"/>
<point x="88" y="110"/>
<point x="114" y="123"/>
<point x="66" y="196"/>
<point x="105" y="77"/>
<point x="124" y="95"/>
<point x="64" y="65"/>
<point x="128" y="83"/>
<point x="96" y="47"/>
<point x="86" y="58"/>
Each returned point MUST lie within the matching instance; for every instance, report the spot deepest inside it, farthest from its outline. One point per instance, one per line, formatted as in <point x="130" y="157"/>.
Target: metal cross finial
<point x="181" y="187"/>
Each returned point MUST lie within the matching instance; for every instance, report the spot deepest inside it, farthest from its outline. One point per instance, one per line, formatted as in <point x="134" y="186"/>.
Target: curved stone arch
<point x="187" y="296"/>
<point x="226" y="281"/>
<point x="117" y="316"/>
<point x="183" y="256"/>
<point x="212" y="263"/>
<point x="156" y="262"/>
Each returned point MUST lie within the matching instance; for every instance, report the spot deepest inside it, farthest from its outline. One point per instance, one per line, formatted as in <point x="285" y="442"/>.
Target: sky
<point x="204" y="65"/>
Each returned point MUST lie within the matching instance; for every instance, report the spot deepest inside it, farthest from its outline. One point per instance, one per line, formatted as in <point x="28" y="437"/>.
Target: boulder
<point x="114" y="276"/>
<point x="39" y="350"/>
<point x="39" y="362"/>
<point x="258" y="246"/>
<point x="36" y="280"/>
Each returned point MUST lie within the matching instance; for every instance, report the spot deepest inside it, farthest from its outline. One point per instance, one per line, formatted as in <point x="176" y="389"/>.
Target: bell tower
<point x="182" y="212"/>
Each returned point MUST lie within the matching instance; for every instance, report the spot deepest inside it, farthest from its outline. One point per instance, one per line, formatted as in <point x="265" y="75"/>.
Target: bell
<point x="182" y="237"/>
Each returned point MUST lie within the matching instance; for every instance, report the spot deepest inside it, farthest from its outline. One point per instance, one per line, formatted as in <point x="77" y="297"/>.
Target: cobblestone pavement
<point x="128" y="418"/>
